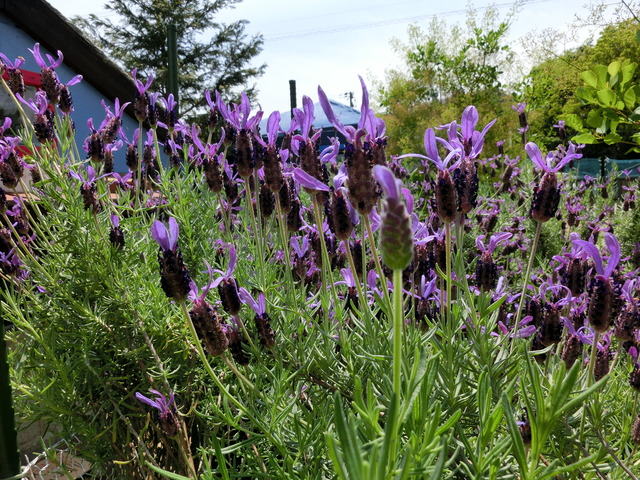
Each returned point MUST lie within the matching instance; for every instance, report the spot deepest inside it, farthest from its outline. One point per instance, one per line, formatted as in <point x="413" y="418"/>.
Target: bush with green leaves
<point x="227" y="314"/>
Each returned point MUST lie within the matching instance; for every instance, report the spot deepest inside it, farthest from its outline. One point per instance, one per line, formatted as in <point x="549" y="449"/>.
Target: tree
<point x="448" y="68"/>
<point x="553" y="82"/>
<point x="138" y="39"/>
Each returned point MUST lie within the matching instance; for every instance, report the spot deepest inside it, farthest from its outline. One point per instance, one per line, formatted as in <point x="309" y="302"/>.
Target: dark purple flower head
<point x="167" y="239"/>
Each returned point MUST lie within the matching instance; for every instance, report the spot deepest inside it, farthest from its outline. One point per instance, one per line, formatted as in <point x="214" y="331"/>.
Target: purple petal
<point x="307" y="181"/>
<point x="614" y="249"/>
<point x="331" y="116"/>
<point x="431" y="146"/>
<point x="593" y="253"/>
<point x="272" y="127"/>
<point x="173" y="233"/>
<point x="160" y="235"/>
<point x="536" y="156"/>
<point x="233" y="258"/>
<point x="469" y="121"/>
<point x="384" y="176"/>
<point x="148" y="401"/>
<point x="246" y="297"/>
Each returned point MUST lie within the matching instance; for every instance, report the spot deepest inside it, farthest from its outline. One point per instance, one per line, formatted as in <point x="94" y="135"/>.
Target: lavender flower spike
<point x="396" y="230"/>
<point x="166" y="411"/>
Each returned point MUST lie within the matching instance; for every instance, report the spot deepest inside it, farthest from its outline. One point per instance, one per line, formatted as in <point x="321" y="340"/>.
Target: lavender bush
<point x="256" y="308"/>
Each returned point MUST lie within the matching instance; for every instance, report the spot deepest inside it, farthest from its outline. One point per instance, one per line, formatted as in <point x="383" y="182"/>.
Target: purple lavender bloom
<point x="546" y="195"/>
<point x="167" y="239"/>
<point x="167" y="414"/>
<point x="49" y="78"/>
<point x="262" y="320"/>
<point x="16" y="82"/>
<point x="174" y="276"/>
<point x="604" y="292"/>
<point x="396" y="232"/>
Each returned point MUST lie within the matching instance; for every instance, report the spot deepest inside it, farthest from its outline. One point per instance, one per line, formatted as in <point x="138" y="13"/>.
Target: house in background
<point x="346" y="114"/>
<point x="26" y="22"/>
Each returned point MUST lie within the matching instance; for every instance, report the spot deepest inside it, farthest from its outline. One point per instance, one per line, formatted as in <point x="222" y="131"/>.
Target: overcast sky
<point x="331" y="42"/>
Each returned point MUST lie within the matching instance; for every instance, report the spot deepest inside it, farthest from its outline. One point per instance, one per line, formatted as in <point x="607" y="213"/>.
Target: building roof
<point x="346" y="114"/>
<point x="54" y="32"/>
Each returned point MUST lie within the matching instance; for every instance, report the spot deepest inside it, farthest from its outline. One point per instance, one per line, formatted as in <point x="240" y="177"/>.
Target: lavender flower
<point x="205" y="320"/>
<point x="604" y="293"/>
<point x="116" y="235"/>
<point x="49" y="78"/>
<point x="396" y="232"/>
<point x="16" y="81"/>
<point x="174" y="276"/>
<point x="166" y="413"/>
<point x="262" y="320"/>
<point x="546" y="196"/>
<point x="228" y="286"/>
<point x="141" y="102"/>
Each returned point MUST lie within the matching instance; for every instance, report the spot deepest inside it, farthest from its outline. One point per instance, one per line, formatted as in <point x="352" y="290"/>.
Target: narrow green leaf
<point x="449" y="423"/>
<point x="348" y="440"/>
<point x="164" y="473"/>
<point x="517" y="443"/>
<point x="439" y="467"/>
<point x="334" y="454"/>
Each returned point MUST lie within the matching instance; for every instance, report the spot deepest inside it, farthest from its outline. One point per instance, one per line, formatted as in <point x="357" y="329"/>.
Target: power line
<point x="364" y="25"/>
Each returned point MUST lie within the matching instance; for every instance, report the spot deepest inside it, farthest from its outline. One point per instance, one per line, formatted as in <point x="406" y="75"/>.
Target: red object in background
<point x="31" y="79"/>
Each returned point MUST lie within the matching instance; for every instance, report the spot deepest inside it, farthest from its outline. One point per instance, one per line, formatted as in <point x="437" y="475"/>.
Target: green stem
<point x="223" y="389"/>
<point x="594" y="356"/>
<point x="374" y="253"/>
<point x="527" y="278"/>
<point x="257" y="234"/>
<point x="139" y="192"/>
<point x="449" y="279"/>
<point x="398" y="328"/>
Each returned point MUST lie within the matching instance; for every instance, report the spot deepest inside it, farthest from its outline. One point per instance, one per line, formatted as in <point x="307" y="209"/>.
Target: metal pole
<point x="292" y="96"/>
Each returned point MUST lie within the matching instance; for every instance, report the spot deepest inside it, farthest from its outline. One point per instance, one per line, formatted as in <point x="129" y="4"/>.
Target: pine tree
<point x="211" y="55"/>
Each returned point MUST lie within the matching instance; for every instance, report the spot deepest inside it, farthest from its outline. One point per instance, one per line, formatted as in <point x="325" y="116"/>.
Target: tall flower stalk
<point x="396" y="243"/>
<point x="544" y="204"/>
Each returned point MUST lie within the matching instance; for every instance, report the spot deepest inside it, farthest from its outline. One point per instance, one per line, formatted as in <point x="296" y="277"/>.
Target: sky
<point x="330" y="43"/>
